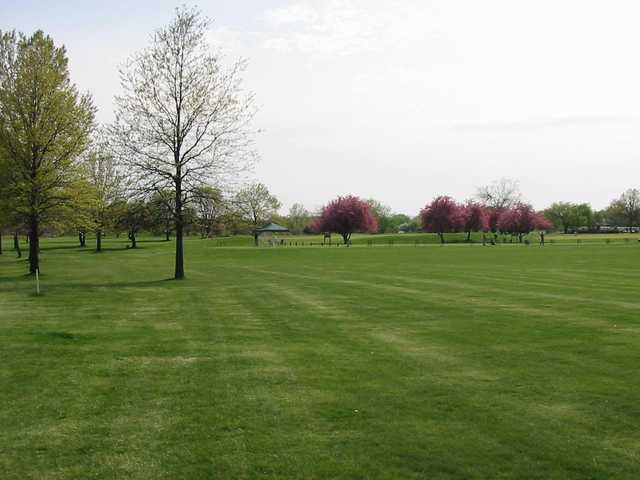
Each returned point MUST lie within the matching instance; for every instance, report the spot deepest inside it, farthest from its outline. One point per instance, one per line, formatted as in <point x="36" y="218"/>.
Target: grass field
<point x="424" y="362"/>
<point x="430" y="238"/>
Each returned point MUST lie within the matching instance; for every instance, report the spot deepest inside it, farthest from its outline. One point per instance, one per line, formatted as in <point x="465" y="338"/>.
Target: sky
<point x="402" y="100"/>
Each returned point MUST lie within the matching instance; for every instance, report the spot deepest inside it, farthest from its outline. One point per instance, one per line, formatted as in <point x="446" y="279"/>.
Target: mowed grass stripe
<point x="417" y="350"/>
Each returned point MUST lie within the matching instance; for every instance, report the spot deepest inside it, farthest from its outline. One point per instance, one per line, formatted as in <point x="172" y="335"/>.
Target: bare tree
<point x="182" y="121"/>
<point x="501" y="194"/>
<point x="256" y="205"/>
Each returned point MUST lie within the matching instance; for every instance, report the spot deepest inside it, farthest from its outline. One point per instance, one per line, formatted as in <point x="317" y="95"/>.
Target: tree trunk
<point x="179" y="271"/>
<point x="98" y="240"/>
<point x="469" y="236"/>
<point x="441" y="235"/>
<point x="167" y="234"/>
<point x="16" y="245"/>
<point x="34" y="244"/>
<point x="255" y="237"/>
<point x="132" y="237"/>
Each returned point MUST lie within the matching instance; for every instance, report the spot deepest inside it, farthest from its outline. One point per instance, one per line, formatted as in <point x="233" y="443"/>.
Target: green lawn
<point x="404" y="362"/>
<point x="429" y="238"/>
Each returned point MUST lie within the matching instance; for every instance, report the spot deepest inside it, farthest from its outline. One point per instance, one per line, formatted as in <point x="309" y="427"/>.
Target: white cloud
<point x="300" y="13"/>
<point x="343" y="27"/>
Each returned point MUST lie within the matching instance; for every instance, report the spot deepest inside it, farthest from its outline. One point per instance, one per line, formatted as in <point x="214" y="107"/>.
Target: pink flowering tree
<point x="442" y="215"/>
<point x="493" y="215"/>
<point x="474" y="218"/>
<point x="346" y="215"/>
<point x="542" y="222"/>
<point x="519" y="220"/>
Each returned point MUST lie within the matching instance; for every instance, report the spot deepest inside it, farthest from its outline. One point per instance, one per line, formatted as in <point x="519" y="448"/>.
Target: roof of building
<point x="272" y="227"/>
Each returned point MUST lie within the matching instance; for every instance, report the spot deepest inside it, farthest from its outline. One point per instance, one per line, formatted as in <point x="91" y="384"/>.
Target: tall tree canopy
<point x="45" y="125"/>
<point x="182" y="120"/>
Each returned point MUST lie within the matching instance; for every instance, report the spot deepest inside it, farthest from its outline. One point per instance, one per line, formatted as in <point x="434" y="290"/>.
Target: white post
<point x="37" y="282"/>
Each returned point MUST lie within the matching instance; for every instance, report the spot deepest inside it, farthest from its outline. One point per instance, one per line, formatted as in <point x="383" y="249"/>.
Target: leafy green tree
<point x="567" y="216"/>
<point x="583" y="215"/>
<point x="600" y="217"/>
<point x="410" y="225"/>
<point x="105" y="189"/>
<point x="256" y="206"/>
<point x="559" y="214"/>
<point x="6" y="209"/>
<point x="44" y="126"/>
<point x="298" y="218"/>
<point x="383" y="215"/>
<point x="398" y="219"/>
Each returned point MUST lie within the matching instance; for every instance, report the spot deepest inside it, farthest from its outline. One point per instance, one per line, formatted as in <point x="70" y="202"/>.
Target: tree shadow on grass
<point x="111" y="249"/>
<point x="154" y="241"/>
<point x="77" y="249"/>
<point x="16" y="278"/>
<point x="62" y="247"/>
<point x="79" y="287"/>
<point x="62" y="337"/>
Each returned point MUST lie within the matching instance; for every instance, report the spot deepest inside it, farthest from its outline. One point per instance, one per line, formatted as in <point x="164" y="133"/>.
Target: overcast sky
<point x="403" y="100"/>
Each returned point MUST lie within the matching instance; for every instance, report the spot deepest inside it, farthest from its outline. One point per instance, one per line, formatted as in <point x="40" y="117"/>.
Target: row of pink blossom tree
<point x="444" y="215"/>
<point x="350" y="214"/>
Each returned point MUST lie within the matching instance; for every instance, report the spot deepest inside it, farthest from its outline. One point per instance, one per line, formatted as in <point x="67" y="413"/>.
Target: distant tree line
<point x="623" y="211"/>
